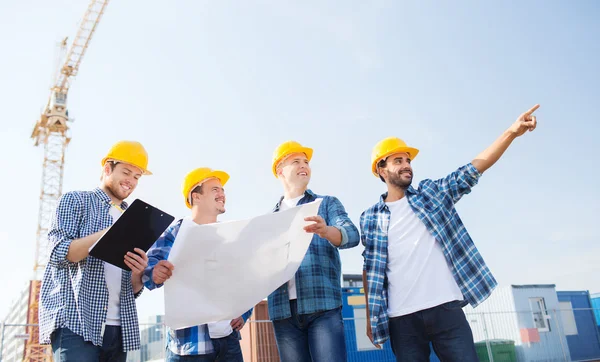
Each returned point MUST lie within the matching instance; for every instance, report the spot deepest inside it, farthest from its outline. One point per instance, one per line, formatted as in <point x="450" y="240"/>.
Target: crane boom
<point x="52" y="130"/>
<point x="90" y="21"/>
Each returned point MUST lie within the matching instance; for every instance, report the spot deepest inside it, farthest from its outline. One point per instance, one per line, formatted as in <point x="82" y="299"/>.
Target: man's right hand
<point x="370" y="334"/>
<point x="162" y="271"/>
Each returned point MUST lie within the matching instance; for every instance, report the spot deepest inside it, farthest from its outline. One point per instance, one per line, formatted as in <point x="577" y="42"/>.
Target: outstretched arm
<point x="525" y="122"/>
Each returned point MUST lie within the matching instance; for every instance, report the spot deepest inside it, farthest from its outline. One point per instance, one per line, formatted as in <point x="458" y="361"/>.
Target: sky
<point x="221" y="84"/>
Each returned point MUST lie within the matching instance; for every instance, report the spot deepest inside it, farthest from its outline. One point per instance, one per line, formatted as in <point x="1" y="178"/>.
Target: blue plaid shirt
<point x="433" y="203"/>
<point x="186" y="341"/>
<point x="318" y="280"/>
<point x="75" y="295"/>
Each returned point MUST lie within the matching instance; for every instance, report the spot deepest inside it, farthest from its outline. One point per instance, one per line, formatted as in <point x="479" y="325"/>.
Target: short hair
<point x="196" y="190"/>
<point x="381" y="164"/>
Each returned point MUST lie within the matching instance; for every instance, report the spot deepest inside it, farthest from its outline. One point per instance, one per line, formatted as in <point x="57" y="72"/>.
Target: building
<point x="521" y="322"/>
<point x="14" y="333"/>
<point x="358" y="345"/>
<point x="596" y="305"/>
<point x="153" y="341"/>
<point x="579" y="325"/>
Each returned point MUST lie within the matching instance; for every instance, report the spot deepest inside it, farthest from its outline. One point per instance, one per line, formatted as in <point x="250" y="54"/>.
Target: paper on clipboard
<point x="138" y="227"/>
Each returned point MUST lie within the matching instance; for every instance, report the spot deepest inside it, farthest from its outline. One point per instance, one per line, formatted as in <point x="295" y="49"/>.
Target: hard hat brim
<point x="306" y="150"/>
<point x="413" y="152"/>
<point x="144" y="171"/>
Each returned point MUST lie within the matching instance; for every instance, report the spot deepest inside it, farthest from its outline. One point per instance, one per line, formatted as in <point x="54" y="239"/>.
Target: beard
<point x="117" y="191"/>
<point x="398" y="180"/>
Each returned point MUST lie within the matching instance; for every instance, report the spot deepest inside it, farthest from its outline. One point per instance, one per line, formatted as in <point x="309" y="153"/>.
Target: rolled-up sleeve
<point x="460" y="182"/>
<point x="338" y="218"/>
<point x="159" y="251"/>
<point x="64" y="228"/>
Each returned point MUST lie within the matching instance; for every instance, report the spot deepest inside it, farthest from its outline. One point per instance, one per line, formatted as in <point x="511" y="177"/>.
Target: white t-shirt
<point x="288" y="204"/>
<point x="112" y="275"/>
<point x="418" y="274"/>
<point x="220" y="329"/>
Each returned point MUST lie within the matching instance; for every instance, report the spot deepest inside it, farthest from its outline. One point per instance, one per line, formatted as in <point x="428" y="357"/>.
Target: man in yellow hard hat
<point x="306" y="311"/>
<point x="420" y="264"/>
<point x="87" y="306"/>
<point x="203" y="193"/>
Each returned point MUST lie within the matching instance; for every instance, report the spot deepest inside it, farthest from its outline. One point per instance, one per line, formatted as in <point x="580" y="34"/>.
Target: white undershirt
<point x="417" y="271"/>
<point x="112" y="275"/>
<point x="288" y="204"/>
<point x="220" y="329"/>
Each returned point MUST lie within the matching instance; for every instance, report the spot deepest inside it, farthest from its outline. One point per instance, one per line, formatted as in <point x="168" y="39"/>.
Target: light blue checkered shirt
<point x="74" y="295"/>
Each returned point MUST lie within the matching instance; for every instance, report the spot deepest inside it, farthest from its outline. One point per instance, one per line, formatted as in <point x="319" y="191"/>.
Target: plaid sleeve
<point x="459" y="183"/>
<point x="363" y="239"/>
<point x="338" y="218"/>
<point x="159" y="251"/>
<point x="247" y="315"/>
<point x="64" y="228"/>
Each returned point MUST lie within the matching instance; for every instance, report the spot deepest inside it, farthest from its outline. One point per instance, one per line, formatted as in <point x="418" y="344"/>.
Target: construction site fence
<point x="550" y="336"/>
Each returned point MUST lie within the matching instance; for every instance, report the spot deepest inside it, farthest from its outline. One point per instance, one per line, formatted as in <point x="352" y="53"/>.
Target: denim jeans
<point x="315" y="337"/>
<point x="68" y="346"/>
<point x="445" y="326"/>
<point x="172" y="357"/>
<point x="228" y="348"/>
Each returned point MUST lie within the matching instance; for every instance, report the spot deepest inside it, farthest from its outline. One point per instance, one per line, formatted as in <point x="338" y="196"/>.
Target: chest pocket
<point x="432" y="204"/>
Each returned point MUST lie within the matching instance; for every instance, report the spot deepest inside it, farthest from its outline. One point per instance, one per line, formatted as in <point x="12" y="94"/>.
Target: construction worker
<point x="87" y="306"/>
<point x="203" y="193"/>
<point x="307" y="311"/>
<point x="420" y="264"/>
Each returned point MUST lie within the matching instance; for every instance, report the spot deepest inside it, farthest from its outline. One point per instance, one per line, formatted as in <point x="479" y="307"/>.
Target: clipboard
<point x="140" y="225"/>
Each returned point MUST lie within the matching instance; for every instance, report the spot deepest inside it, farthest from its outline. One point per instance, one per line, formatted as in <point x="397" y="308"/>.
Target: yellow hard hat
<point x="130" y="152"/>
<point x="387" y="147"/>
<point x="198" y="176"/>
<point x="287" y="148"/>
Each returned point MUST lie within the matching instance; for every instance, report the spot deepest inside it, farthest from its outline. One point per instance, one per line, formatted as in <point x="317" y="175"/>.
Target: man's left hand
<point x="137" y="262"/>
<point x="237" y="323"/>
<point x="526" y="122"/>
<point x="319" y="227"/>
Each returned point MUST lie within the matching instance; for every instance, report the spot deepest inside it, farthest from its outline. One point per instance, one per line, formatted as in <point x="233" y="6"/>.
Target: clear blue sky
<point x="220" y="84"/>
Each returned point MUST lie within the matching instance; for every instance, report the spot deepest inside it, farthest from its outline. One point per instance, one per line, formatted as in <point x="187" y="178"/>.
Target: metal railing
<point x="549" y="336"/>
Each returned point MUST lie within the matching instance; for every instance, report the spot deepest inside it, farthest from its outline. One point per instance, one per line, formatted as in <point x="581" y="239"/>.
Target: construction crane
<point x="52" y="131"/>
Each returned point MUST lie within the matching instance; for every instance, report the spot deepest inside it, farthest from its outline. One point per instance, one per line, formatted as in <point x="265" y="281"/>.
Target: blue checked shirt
<point x="75" y="295"/>
<point x="318" y="280"/>
<point x="433" y="203"/>
<point x="187" y="341"/>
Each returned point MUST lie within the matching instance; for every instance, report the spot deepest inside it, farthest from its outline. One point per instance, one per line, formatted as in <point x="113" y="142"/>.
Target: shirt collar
<point x="307" y="193"/>
<point x="381" y="204"/>
<point x="106" y="199"/>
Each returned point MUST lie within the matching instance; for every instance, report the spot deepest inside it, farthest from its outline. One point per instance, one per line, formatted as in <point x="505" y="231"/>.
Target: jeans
<point x="315" y="337"/>
<point x="68" y="346"/>
<point x="228" y="348"/>
<point x="445" y="326"/>
<point x="173" y="357"/>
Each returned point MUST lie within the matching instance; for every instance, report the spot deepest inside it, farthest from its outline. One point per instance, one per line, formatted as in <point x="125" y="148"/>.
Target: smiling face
<point x="396" y="170"/>
<point x="209" y="198"/>
<point x="295" y="170"/>
<point x="120" y="180"/>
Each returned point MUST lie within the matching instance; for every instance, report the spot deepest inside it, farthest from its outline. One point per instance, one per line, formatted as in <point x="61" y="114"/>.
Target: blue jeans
<point x="228" y="348"/>
<point x="315" y="337"/>
<point x="445" y="326"/>
<point x="172" y="357"/>
<point x="68" y="346"/>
